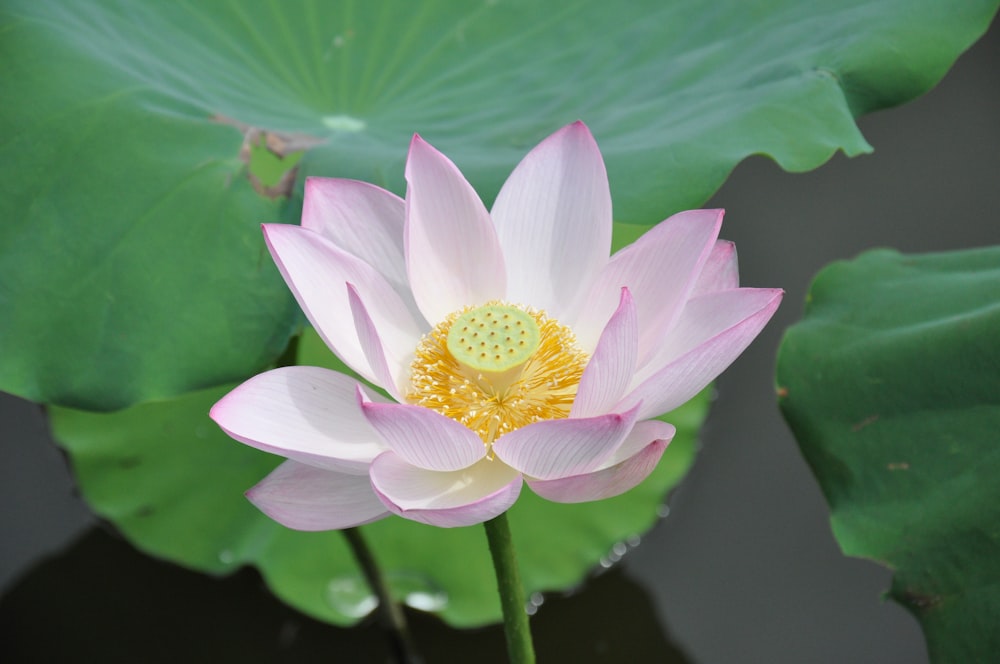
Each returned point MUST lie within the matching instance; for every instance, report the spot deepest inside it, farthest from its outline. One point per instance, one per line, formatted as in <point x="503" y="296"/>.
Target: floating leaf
<point x="131" y="264"/>
<point x="892" y="387"/>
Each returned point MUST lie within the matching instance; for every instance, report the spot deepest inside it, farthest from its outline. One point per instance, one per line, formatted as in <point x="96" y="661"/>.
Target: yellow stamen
<point x="496" y="368"/>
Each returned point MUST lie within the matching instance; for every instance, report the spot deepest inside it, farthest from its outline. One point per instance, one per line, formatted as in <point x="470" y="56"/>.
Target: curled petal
<point x="304" y="413"/>
<point x="453" y="257"/>
<point x="610" y="369"/>
<point x="659" y="269"/>
<point x="553" y="218"/>
<point x="317" y="270"/>
<point x="303" y="497"/>
<point x="630" y="465"/>
<point x="713" y="331"/>
<point x="560" y="448"/>
<point x="447" y="499"/>
<point x="423" y="437"/>
<point x="604" y="483"/>
<point x="390" y="374"/>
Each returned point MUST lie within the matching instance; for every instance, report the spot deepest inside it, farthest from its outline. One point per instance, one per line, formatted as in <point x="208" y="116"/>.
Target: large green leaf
<point x="169" y="478"/>
<point x="892" y="387"/>
<point x="131" y="267"/>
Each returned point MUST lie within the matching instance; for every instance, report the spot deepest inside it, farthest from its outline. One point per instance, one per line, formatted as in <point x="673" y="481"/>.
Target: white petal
<point x="304" y="413"/>
<point x="553" y="218"/>
<point x="659" y="269"/>
<point x="446" y="499"/>
<point x="453" y="258"/>
<point x="302" y="497"/>
<point x="560" y="448"/>
<point x="423" y="437"/>
<point x="317" y="271"/>
<point x="612" y="366"/>
<point x="713" y="331"/>
<point x="363" y="220"/>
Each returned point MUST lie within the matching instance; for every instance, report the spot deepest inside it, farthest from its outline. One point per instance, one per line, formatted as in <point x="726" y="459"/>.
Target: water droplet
<point x="350" y="595"/>
<point x="226" y="557"/>
<point x="418" y="591"/>
<point x="535" y="601"/>
<point x="663" y="511"/>
<point x="344" y="123"/>
<point x="619" y="549"/>
<point x="633" y="541"/>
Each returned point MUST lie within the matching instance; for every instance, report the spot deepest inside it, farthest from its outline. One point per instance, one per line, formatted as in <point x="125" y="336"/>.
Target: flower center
<point x="496" y="368"/>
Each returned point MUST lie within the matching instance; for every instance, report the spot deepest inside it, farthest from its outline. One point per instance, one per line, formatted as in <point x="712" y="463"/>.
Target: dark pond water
<point x="744" y="569"/>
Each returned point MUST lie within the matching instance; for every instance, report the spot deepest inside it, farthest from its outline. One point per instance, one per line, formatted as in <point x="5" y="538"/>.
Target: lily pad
<point x="891" y="385"/>
<point x="168" y="477"/>
<point x="131" y="265"/>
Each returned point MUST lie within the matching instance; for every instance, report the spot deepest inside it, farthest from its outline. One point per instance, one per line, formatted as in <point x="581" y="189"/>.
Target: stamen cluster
<point x="494" y="403"/>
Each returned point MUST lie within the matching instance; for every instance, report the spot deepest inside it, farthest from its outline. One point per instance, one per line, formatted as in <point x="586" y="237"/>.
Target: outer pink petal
<point x="559" y="448"/>
<point x="317" y="270"/>
<point x="642" y="434"/>
<point x="553" y="218"/>
<point x="363" y="220"/>
<point x="612" y="366"/>
<point x="712" y="332"/>
<point x="446" y="499"/>
<point x="389" y="373"/>
<point x="423" y="437"/>
<point x="659" y="269"/>
<point x="720" y="272"/>
<point x="453" y="257"/>
<point x="306" y="498"/>
<point x="630" y="464"/>
<point x="303" y="413"/>
<point x="604" y="483"/>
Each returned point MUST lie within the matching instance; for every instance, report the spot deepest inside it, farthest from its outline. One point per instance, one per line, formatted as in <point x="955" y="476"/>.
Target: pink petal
<point x="390" y="375"/>
<point x="631" y="463"/>
<point x="363" y="220"/>
<point x="712" y="332"/>
<point x="611" y="367"/>
<point x="302" y="497"/>
<point x="553" y="218"/>
<point x="720" y="272"/>
<point x="659" y="269"/>
<point x="604" y="483"/>
<point x="560" y="448"/>
<point x="423" y="437"/>
<point x="304" y="413"/>
<point x="447" y="499"/>
<point x="453" y="257"/>
<point x="642" y="434"/>
<point x="317" y="271"/>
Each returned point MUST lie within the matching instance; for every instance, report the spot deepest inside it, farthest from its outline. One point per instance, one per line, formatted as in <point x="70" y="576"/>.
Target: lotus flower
<point x="513" y="348"/>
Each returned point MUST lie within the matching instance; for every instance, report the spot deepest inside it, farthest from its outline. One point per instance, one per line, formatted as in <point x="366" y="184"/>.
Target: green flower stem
<point x="390" y="613"/>
<point x="515" y="619"/>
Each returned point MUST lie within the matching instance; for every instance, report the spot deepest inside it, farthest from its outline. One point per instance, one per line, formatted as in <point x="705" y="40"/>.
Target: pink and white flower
<point x="514" y="349"/>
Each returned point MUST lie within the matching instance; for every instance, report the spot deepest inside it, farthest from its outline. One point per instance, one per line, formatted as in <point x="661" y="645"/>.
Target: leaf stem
<point x="515" y="619"/>
<point x="390" y="613"/>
